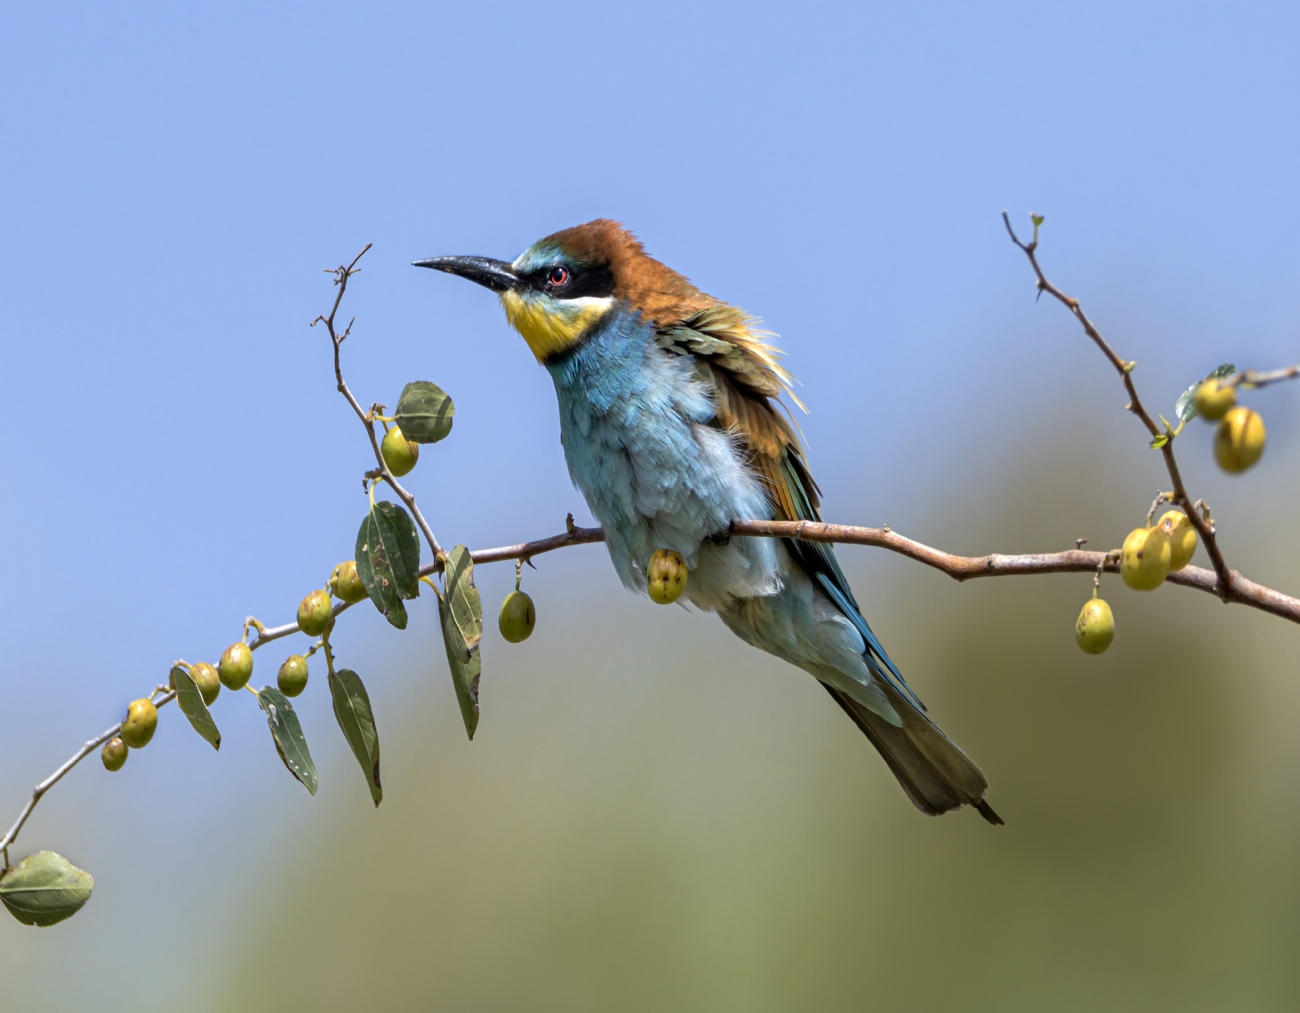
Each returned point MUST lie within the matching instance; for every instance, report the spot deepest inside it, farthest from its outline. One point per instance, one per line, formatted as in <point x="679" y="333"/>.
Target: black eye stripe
<point x="592" y="282"/>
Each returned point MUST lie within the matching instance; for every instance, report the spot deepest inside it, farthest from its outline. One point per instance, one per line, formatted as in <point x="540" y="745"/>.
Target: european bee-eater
<point x="669" y="425"/>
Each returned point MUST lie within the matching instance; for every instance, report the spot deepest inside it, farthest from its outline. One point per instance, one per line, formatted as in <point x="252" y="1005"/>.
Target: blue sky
<point x="174" y="178"/>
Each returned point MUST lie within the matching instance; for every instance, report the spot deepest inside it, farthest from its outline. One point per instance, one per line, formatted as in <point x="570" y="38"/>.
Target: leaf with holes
<point x="461" y="611"/>
<point x="290" y="742"/>
<point x="424" y="412"/>
<point x="352" y="709"/>
<point x="190" y="701"/>
<point x="388" y="559"/>
<point x="44" y="889"/>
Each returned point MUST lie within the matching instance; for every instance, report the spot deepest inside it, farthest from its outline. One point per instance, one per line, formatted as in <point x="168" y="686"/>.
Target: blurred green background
<point x="652" y="816"/>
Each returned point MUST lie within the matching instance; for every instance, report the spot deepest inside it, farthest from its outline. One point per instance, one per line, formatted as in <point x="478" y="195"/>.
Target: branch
<point x="1224" y="583"/>
<point x="961" y="568"/>
<point x="1240" y="590"/>
<point x="341" y="276"/>
<point x="1254" y="379"/>
<point x="39" y="791"/>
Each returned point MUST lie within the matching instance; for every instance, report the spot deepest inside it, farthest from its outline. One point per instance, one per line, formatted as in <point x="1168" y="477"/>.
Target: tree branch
<point x="1204" y="529"/>
<point x="962" y="568"/>
<point x="341" y="276"/>
<point x="1254" y="379"/>
<point x="39" y="791"/>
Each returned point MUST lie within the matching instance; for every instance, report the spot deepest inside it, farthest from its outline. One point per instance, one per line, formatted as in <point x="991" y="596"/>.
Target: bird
<point x="672" y="427"/>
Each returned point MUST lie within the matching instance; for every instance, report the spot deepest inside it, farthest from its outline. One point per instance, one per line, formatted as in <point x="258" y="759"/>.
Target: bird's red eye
<point x="558" y="275"/>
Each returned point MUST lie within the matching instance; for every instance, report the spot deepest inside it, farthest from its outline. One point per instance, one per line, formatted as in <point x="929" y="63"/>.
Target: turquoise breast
<point x="636" y="426"/>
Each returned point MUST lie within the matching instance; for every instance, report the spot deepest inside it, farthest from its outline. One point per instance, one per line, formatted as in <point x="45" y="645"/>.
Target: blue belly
<point x="635" y="426"/>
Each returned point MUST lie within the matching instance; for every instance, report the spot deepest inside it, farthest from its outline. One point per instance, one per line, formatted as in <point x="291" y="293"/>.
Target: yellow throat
<point x="551" y="325"/>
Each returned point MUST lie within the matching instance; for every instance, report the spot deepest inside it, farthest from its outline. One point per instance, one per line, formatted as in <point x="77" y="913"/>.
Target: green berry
<point x="1145" y="558"/>
<point x="1095" y="627"/>
<point x="314" y="613"/>
<point x="1213" y="399"/>
<point x="209" y="681"/>
<point x="346" y="584"/>
<point x="1239" y="440"/>
<point x="665" y="577"/>
<point x="114" y="754"/>
<point x="400" y="454"/>
<point x="517" y="617"/>
<point x="140" y="723"/>
<point x="292" y="678"/>
<point x="1182" y="538"/>
<point x="236" y="666"/>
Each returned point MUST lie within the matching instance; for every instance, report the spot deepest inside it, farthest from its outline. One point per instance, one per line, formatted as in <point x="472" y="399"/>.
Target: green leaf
<point x="1037" y="219"/>
<point x="290" y="743"/>
<point x="388" y="559"/>
<point x="1159" y="441"/>
<point x="45" y="888"/>
<point x="1185" y="406"/>
<point x="190" y="701"/>
<point x="352" y="709"/>
<point x="461" y="611"/>
<point x="424" y="412"/>
<point x="1227" y="369"/>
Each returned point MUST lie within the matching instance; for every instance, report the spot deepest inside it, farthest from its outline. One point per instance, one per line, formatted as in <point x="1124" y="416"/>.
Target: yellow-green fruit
<point x="314" y="613"/>
<point x="140" y="724"/>
<point x="114" y="754"/>
<point x="1144" y="561"/>
<point x="517" y="617"/>
<point x="345" y="582"/>
<point x="209" y="681"/>
<point x="1213" y="399"/>
<point x="1239" y="440"/>
<point x="1182" y="538"/>
<point x="1095" y="627"/>
<point x="292" y="678"/>
<point x="665" y="577"/>
<point x="400" y="454"/>
<point x="236" y="666"/>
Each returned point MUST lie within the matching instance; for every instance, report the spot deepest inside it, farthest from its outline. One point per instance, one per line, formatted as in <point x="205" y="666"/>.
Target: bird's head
<point x="560" y="288"/>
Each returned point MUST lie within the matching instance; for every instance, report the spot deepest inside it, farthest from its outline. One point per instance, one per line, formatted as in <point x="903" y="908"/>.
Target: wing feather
<point x="742" y="369"/>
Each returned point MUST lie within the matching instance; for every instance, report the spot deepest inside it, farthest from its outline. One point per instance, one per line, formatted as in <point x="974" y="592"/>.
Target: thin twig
<point x="1125" y="369"/>
<point x="1254" y="379"/>
<point x="39" y="791"/>
<point x="341" y="276"/>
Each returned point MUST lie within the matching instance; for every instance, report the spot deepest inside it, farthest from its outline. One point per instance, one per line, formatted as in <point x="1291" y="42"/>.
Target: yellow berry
<point x="1095" y="627"/>
<point x="114" y="754"/>
<point x="140" y="723"/>
<point x="665" y="577"/>
<point x="517" y="617"/>
<point x="1239" y="440"/>
<point x="1182" y="538"/>
<point x="346" y="584"/>
<point x="400" y="454"/>
<point x="1213" y="399"/>
<point x="208" y="680"/>
<point x="1144" y="560"/>
<point x="236" y="666"/>
<point x="292" y="677"/>
<point x="314" y="613"/>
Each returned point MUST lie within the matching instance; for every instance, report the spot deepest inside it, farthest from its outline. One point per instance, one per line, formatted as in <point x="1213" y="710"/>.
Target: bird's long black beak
<point x="494" y="274"/>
